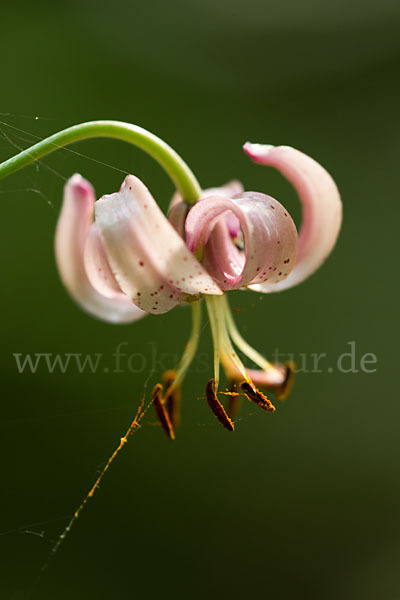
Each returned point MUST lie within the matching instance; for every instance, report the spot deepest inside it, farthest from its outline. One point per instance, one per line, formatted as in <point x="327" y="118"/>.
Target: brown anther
<point x="162" y="412"/>
<point x="284" y="390"/>
<point x="254" y="395"/>
<point x="172" y="399"/>
<point x="217" y="407"/>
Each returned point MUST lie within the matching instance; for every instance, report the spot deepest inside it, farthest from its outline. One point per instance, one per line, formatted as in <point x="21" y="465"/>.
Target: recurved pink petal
<point x="97" y="266"/>
<point x="178" y="209"/>
<point x="177" y="216"/>
<point x="270" y="378"/>
<point x="227" y="191"/>
<point x="322" y="208"/>
<point x="73" y="226"/>
<point x="270" y="239"/>
<point x="150" y="261"/>
<point x="278" y="378"/>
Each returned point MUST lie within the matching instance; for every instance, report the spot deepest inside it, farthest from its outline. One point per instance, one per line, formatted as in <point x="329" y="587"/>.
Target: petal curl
<point x="232" y="188"/>
<point x="178" y="209"/>
<point x="97" y="266"/>
<point x="73" y="225"/>
<point x="177" y="216"/>
<point x="270" y="238"/>
<point x="322" y="208"/>
<point x="150" y="261"/>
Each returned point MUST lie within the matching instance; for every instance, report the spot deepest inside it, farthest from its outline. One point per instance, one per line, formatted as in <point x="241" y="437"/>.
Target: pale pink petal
<point x="322" y="208"/>
<point x="178" y="209"/>
<point x="73" y="225"/>
<point x="221" y="256"/>
<point x="274" y="377"/>
<point x="177" y="216"/>
<point x="233" y="224"/>
<point x="270" y="239"/>
<point x="97" y="266"/>
<point x="149" y="260"/>
<point x="232" y="188"/>
<point x="270" y="378"/>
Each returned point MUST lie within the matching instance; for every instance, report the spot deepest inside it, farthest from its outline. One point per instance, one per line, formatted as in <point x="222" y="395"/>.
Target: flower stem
<point x="170" y="161"/>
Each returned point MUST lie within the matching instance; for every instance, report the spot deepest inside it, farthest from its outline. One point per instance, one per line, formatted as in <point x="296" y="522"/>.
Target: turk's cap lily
<point x="121" y="258"/>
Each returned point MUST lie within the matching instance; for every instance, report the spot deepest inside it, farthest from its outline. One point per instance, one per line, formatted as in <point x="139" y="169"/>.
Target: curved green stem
<point x="172" y="163"/>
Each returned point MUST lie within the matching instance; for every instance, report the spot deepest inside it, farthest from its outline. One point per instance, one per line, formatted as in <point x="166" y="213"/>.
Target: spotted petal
<point x="75" y="263"/>
<point x="149" y="259"/>
<point x="270" y="239"/>
<point x="322" y="208"/>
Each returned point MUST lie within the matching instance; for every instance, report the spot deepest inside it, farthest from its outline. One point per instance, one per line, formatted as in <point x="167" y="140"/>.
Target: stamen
<point x="215" y="337"/>
<point x="227" y="354"/>
<point x="191" y="346"/>
<point x="217" y="407"/>
<point x="161" y="412"/>
<point x="172" y="397"/>
<point x="241" y="343"/>
<point x="167" y="406"/>
<point x="254" y="395"/>
<point x="284" y="390"/>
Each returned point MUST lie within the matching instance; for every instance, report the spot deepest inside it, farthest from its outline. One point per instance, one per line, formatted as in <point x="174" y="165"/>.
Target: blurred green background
<point x="300" y="504"/>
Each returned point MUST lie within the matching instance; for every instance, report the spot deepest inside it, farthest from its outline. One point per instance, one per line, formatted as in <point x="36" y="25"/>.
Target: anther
<point x="162" y="412"/>
<point x="173" y="398"/>
<point x="217" y="407"/>
<point x="284" y="389"/>
<point x="254" y="395"/>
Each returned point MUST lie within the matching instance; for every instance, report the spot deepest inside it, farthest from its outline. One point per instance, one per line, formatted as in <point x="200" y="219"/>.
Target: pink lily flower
<point x="121" y="258"/>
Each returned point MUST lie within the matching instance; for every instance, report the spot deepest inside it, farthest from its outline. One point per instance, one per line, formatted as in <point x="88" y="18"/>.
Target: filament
<point x="191" y="347"/>
<point x="241" y="343"/>
<point x="223" y="349"/>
